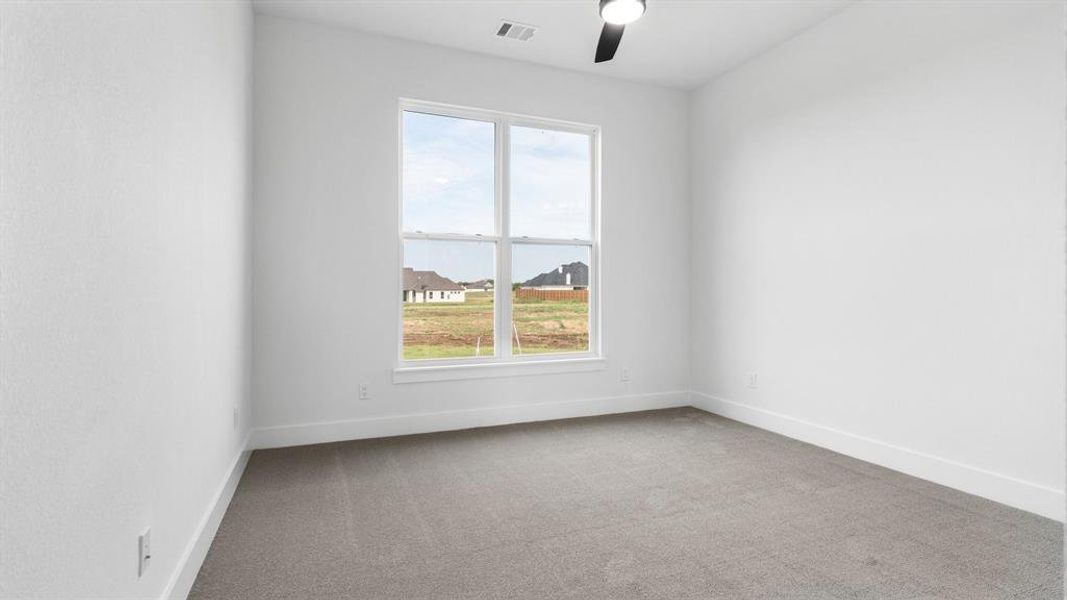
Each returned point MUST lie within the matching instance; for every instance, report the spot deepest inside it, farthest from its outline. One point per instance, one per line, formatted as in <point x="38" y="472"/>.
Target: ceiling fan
<point x="616" y="14"/>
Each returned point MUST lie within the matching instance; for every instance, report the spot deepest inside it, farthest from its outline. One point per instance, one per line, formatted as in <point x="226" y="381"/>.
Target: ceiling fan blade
<point x="610" y="37"/>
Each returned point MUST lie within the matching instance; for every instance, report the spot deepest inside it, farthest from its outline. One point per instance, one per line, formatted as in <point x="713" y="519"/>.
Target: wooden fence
<point x="556" y="295"/>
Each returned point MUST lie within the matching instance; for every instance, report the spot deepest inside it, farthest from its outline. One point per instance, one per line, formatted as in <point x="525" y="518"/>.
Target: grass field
<point x="455" y="330"/>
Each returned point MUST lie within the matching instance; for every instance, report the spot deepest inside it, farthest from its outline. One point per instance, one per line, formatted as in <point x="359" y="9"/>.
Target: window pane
<point x="449" y="182"/>
<point x="550" y="295"/>
<point x="551" y="177"/>
<point x="448" y="299"/>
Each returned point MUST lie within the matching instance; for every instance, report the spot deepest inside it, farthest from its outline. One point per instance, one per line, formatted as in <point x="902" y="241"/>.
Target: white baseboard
<point x="1031" y="497"/>
<point x="181" y="582"/>
<point x="336" y="431"/>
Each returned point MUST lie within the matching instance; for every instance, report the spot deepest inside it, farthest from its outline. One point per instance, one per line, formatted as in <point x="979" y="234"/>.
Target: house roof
<point x="428" y="280"/>
<point x="578" y="271"/>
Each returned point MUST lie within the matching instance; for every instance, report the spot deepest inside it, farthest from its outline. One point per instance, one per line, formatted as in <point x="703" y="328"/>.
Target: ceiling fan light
<point x="621" y="12"/>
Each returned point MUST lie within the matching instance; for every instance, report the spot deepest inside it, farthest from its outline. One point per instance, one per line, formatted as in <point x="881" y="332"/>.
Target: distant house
<point x="482" y="285"/>
<point x="574" y="276"/>
<point x="428" y="286"/>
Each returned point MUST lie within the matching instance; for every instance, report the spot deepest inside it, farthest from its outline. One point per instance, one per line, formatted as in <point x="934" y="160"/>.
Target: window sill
<point x="500" y="369"/>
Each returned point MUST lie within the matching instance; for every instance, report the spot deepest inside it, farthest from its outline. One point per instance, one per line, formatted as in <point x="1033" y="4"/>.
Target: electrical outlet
<point x="752" y="380"/>
<point x="144" y="551"/>
<point x="236" y="417"/>
<point x="364" y="392"/>
<point x="625" y="375"/>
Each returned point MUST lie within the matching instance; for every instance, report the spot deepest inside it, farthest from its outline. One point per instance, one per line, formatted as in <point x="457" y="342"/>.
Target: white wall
<point x="878" y="231"/>
<point x="123" y="268"/>
<point x="325" y="227"/>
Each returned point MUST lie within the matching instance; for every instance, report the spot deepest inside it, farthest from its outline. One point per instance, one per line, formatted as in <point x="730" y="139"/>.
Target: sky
<point x="449" y="188"/>
<point x="473" y="261"/>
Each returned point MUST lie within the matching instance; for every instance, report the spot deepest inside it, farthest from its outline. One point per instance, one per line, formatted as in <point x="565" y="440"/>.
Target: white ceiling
<point x="678" y="43"/>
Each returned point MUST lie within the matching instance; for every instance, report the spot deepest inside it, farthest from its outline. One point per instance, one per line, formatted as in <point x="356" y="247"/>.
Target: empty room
<point x="533" y="299"/>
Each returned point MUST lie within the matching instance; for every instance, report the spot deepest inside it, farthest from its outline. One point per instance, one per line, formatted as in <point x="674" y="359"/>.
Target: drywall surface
<point x="877" y="231"/>
<point x="123" y="285"/>
<point x="326" y="264"/>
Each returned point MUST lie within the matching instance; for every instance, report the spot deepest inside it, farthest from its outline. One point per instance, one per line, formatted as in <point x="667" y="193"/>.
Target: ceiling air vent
<point x="516" y="31"/>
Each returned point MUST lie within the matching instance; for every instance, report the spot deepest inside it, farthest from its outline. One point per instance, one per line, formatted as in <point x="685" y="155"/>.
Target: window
<point x="499" y="249"/>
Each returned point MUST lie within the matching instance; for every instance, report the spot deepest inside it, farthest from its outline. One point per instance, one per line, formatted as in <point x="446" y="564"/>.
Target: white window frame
<point x="502" y="362"/>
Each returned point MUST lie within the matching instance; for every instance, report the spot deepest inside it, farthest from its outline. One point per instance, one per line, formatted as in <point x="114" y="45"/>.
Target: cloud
<point x="449" y="180"/>
<point x="449" y="187"/>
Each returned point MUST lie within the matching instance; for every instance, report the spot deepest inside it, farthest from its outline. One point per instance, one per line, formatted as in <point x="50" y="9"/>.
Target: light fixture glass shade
<point x="621" y="12"/>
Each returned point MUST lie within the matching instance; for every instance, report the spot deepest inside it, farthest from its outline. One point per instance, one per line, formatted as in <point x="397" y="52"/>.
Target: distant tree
<point x="515" y="287"/>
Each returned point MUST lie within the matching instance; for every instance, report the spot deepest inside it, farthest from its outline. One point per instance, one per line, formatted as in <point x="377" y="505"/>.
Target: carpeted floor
<point x="665" y="504"/>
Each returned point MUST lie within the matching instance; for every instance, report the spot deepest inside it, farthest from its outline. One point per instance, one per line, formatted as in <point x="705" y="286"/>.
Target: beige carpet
<point x="666" y="504"/>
